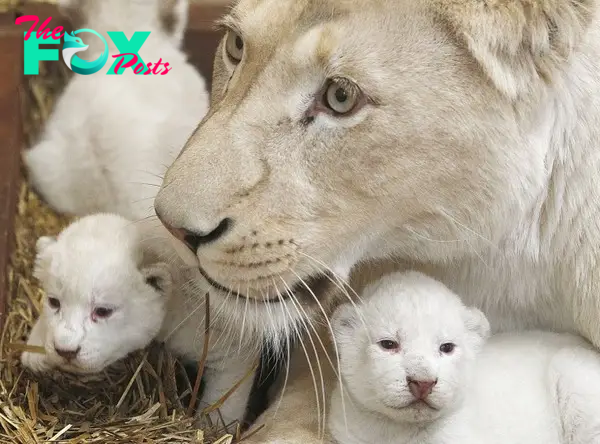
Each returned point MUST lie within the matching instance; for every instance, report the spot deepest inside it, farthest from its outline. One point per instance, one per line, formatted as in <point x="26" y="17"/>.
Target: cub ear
<point x="518" y="43"/>
<point x="173" y="17"/>
<point x="42" y="258"/>
<point x="344" y="320"/>
<point x="159" y="277"/>
<point x="65" y="5"/>
<point x="74" y="10"/>
<point x="477" y="322"/>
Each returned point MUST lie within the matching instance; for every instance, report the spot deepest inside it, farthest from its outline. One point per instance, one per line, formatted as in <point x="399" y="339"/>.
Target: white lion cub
<point x="416" y="369"/>
<point x="110" y="138"/>
<point x="112" y="287"/>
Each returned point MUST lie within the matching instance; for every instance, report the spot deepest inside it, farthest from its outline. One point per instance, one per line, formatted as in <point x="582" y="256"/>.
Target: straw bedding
<point x="142" y="399"/>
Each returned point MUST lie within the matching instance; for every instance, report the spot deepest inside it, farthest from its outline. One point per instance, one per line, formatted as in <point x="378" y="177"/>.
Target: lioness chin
<point x="459" y="136"/>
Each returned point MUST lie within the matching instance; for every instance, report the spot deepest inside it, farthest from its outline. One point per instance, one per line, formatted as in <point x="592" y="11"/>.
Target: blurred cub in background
<point x="110" y="138"/>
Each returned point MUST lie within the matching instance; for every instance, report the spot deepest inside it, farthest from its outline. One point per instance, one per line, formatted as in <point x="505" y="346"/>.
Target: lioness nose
<point x="193" y="240"/>
<point x="420" y="389"/>
<point x="69" y="355"/>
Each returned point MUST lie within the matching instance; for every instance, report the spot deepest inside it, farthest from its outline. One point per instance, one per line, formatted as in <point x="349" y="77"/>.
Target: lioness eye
<point x="341" y="96"/>
<point x="102" y="313"/>
<point x="54" y="303"/>
<point x="234" y="46"/>
<point x="387" y="344"/>
<point x="447" y="348"/>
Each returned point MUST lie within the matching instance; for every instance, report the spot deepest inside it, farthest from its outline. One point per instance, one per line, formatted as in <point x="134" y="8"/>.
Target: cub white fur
<point x="110" y="138"/>
<point x="112" y="287"/>
<point x="416" y="369"/>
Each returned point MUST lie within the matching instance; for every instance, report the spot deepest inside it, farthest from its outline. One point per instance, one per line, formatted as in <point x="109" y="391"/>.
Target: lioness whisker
<point x="322" y="420"/>
<point x="144" y="183"/>
<point x="289" y="291"/>
<point x="144" y="219"/>
<point x="243" y="327"/>
<point x="228" y="329"/>
<point x="178" y="326"/>
<point x="216" y="317"/>
<point x="470" y="230"/>
<point x="304" y="319"/>
<point x="287" y="357"/>
<point x="438" y="241"/>
<point x="339" y="280"/>
<point x="158" y="176"/>
<point x="308" y="360"/>
<point x="341" y="288"/>
<point x="477" y="254"/>
<point x="336" y="368"/>
<point x="143" y="199"/>
<point x="274" y="330"/>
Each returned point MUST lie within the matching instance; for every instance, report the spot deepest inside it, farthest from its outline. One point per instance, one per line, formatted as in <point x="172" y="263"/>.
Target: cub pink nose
<point x="420" y="389"/>
<point x="68" y="355"/>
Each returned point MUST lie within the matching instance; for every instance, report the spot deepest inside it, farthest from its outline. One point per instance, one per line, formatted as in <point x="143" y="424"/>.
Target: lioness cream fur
<point x="461" y="137"/>
<point x="416" y="369"/>
<point x="112" y="287"/>
<point x="110" y="138"/>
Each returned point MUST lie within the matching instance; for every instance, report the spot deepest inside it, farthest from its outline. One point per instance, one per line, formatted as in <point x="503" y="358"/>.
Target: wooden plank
<point x="11" y="140"/>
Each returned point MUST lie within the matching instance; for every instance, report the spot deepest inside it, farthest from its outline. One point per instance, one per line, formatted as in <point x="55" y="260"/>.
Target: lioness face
<point x="341" y="130"/>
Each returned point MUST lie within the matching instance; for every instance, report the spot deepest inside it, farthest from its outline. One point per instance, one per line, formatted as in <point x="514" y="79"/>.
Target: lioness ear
<point x="158" y="276"/>
<point x="476" y="322"/>
<point x="519" y="43"/>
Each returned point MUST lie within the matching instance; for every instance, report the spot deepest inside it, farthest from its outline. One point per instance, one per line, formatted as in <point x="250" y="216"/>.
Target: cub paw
<point x="36" y="362"/>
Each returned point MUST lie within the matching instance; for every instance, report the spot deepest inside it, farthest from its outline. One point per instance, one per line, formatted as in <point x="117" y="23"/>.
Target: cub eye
<point x="387" y="344"/>
<point x="447" y="348"/>
<point x="234" y="46"/>
<point x="102" y="313"/>
<point x="342" y="97"/>
<point x="54" y="303"/>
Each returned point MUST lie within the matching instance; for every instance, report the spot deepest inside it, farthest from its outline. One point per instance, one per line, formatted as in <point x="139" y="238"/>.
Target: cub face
<point x="342" y="130"/>
<point x="407" y="352"/>
<point x="100" y="303"/>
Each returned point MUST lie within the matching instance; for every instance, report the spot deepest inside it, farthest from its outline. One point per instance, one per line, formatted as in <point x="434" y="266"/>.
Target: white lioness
<point x="112" y="286"/>
<point x="459" y="136"/>
<point x="417" y="368"/>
